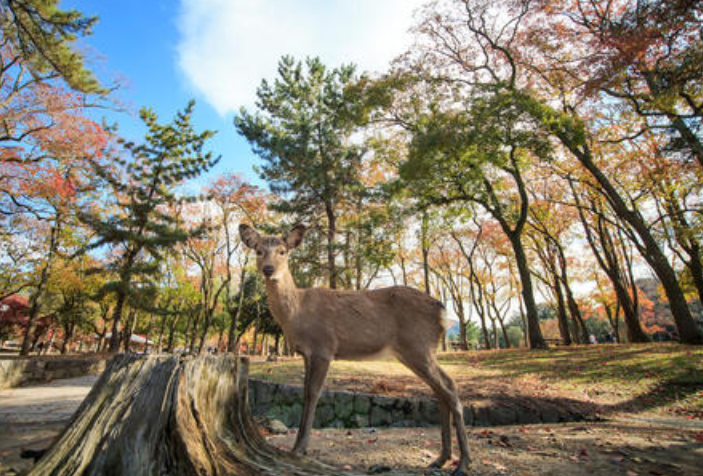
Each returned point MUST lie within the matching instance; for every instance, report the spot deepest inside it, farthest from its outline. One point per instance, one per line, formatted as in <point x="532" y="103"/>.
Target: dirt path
<point x="31" y="417"/>
<point x="594" y="449"/>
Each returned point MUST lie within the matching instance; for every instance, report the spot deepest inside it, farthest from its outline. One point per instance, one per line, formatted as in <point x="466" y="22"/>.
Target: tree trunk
<point x="562" y="318"/>
<point x="687" y="239"/>
<point x="206" y="328"/>
<point x="404" y="270"/>
<point x="613" y="320"/>
<point x="331" y="252"/>
<point x="607" y="258"/>
<point x="504" y="331"/>
<point x="576" y="313"/>
<point x="463" y="342"/>
<point x="256" y="337"/>
<point x="523" y="319"/>
<point x="41" y="285"/>
<point x="425" y="248"/>
<point x="534" y="332"/>
<point x="696" y="269"/>
<point x="194" y="332"/>
<point x="689" y="333"/>
<point x="220" y="339"/>
<point x="167" y="415"/>
<point x="49" y="343"/>
<point x="477" y="298"/>
<point x="67" y="336"/>
<point x="570" y="300"/>
<point x="116" y="317"/>
<point x="172" y="334"/>
<point x="234" y="315"/>
<point x="277" y="343"/>
<point x="128" y="330"/>
<point x="162" y="331"/>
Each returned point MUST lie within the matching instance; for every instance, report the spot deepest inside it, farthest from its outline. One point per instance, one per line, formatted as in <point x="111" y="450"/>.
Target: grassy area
<point x="616" y="378"/>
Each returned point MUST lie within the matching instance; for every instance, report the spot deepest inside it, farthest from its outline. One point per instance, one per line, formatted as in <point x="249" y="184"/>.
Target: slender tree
<point x="302" y="129"/>
<point x="144" y="191"/>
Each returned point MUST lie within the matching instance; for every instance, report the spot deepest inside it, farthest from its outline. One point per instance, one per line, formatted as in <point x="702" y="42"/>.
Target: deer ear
<point x="295" y="236"/>
<point x="249" y="236"/>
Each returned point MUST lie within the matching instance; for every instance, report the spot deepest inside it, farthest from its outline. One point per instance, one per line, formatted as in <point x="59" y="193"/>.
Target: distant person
<point x="593" y="339"/>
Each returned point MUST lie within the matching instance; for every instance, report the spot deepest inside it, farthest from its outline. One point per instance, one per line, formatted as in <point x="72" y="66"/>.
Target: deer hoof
<point x="461" y="471"/>
<point x="438" y="463"/>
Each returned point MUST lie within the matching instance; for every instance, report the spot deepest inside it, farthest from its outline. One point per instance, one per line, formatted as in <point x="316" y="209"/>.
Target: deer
<point x="324" y="324"/>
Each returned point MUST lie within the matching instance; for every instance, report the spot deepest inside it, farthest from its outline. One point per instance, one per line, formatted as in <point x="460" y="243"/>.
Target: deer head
<point x="271" y="251"/>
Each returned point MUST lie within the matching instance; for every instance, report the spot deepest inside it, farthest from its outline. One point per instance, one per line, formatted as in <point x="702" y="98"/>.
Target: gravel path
<point x="31" y="417"/>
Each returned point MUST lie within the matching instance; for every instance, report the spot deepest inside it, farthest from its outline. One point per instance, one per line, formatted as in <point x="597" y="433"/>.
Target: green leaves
<point x="142" y="225"/>
<point x="456" y="150"/>
<point x="43" y="35"/>
<point x="302" y="130"/>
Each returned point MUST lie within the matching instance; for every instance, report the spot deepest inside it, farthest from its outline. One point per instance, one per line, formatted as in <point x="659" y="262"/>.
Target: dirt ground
<point x="593" y="449"/>
<point x="31" y="417"/>
<point x="649" y="442"/>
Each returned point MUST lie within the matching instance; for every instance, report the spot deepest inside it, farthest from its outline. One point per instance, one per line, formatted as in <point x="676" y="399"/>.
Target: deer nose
<point x="268" y="270"/>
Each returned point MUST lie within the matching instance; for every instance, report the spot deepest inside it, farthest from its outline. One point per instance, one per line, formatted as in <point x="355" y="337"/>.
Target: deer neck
<point x="283" y="297"/>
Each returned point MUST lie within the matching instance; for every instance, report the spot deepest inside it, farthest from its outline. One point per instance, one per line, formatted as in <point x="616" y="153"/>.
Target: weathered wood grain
<point x="165" y="415"/>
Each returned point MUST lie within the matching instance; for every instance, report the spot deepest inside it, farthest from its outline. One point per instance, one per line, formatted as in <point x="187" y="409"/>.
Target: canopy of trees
<point x="536" y="165"/>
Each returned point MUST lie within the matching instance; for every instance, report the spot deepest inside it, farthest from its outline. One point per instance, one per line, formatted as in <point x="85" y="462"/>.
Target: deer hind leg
<point x="457" y="410"/>
<point x="446" y="453"/>
<point x="427" y="368"/>
<point x="315" y="373"/>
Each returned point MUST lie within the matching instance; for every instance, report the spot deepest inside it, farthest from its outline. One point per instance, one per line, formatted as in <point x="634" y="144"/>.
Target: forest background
<point x="535" y="165"/>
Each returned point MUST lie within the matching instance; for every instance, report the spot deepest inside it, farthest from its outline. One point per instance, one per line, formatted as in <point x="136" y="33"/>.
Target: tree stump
<point x="164" y="415"/>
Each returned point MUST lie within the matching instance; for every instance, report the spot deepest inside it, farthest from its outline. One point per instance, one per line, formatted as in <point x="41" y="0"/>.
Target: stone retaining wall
<point x="339" y="409"/>
<point x="17" y="371"/>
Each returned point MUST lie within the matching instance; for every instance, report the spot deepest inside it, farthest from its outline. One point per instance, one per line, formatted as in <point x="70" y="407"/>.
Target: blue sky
<point x="217" y="51"/>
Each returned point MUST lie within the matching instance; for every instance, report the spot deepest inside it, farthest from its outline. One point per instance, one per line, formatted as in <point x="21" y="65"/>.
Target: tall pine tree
<point x="143" y="188"/>
<point x="302" y="130"/>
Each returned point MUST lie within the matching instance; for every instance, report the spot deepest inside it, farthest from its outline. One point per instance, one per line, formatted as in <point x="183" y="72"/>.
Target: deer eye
<point x="259" y="253"/>
<point x="282" y="252"/>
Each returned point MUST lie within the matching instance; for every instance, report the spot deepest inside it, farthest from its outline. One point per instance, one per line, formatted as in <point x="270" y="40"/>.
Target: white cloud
<point x="228" y="46"/>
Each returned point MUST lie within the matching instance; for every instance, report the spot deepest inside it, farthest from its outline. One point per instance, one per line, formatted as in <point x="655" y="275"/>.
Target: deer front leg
<point x="315" y="373"/>
<point x="446" y="453"/>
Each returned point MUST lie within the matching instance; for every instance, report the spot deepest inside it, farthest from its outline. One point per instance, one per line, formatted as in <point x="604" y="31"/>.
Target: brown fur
<point x="325" y="324"/>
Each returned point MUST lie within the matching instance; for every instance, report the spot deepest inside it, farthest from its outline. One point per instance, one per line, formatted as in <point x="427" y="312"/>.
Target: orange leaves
<point x="234" y="195"/>
<point x="55" y="185"/>
<point x="47" y="142"/>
